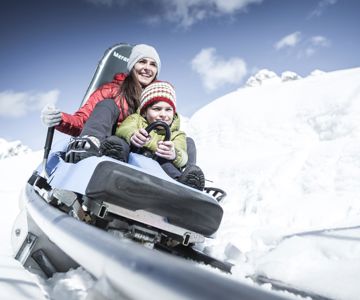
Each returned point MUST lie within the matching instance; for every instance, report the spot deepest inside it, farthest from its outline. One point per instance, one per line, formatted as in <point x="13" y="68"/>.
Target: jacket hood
<point x="119" y="77"/>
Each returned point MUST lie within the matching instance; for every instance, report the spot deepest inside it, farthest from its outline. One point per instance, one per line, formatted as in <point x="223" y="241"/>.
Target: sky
<point x="50" y="49"/>
<point x="292" y="211"/>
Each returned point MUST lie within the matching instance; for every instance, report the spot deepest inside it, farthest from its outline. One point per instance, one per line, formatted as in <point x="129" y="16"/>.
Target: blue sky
<point x="50" y="49"/>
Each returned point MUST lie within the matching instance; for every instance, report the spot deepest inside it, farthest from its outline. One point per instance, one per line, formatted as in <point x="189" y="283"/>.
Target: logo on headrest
<point x="119" y="56"/>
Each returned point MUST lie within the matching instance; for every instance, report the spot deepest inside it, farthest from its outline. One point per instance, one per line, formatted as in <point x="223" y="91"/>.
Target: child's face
<point x="160" y="111"/>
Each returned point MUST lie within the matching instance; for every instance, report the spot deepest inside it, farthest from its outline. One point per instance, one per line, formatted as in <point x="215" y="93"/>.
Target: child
<point x="158" y="103"/>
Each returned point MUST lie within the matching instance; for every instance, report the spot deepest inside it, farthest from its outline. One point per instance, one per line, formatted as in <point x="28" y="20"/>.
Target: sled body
<point x="136" y="200"/>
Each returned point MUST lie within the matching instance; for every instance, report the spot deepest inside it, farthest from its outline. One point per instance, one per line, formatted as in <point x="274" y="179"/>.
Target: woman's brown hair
<point x="131" y="89"/>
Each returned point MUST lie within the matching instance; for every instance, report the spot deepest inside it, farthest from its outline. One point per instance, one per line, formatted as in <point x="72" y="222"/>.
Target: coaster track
<point x="129" y="269"/>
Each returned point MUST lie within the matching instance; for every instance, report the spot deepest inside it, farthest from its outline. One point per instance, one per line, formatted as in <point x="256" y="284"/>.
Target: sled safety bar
<point x="125" y="266"/>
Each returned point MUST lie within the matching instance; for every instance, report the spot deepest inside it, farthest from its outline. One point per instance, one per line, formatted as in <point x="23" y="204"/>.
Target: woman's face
<point x="160" y="111"/>
<point x="145" y="71"/>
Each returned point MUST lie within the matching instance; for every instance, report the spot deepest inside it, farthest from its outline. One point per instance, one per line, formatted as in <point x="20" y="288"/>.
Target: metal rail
<point x="133" y="271"/>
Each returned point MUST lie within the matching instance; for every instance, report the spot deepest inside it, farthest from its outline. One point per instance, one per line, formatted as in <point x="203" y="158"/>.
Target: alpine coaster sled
<point x="135" y="200"/>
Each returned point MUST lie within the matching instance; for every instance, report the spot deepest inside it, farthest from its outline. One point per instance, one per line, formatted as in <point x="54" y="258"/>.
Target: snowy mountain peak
<point x="289" y="76"/>
<point x="267" y="77"/>
<point x="317" y="73"/>
<point x="262" y="77"/>
<point x="9" y="149"/>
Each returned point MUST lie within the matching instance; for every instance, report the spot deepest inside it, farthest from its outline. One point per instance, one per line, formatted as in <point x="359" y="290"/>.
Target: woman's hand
<point x="166" y="149"/>
<point x="140" y="138"/>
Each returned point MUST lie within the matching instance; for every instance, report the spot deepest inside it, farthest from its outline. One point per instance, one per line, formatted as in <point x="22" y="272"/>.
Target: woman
<point x="108" y="106"/>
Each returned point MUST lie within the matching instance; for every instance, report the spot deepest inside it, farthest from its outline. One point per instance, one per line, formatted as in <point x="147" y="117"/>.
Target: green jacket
<point x="135" y="122"/>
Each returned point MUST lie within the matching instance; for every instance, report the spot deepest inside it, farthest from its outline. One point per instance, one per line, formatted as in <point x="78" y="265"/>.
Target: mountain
<point x="288" y="137"/>
<point x="9" y="149"/>
<point x="288" y="155"/>
<point x="265" y="77"/>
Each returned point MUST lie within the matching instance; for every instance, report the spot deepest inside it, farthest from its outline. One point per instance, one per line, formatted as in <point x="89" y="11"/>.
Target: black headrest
<point x="114" y="61"/>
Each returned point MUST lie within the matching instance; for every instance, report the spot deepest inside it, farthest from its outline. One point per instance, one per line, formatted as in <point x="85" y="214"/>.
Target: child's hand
<point x="166" y="149"/>
<point x="140" y="138"/>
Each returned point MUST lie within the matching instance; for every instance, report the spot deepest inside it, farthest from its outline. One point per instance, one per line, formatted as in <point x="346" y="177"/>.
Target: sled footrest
<point x="217" y="193"/>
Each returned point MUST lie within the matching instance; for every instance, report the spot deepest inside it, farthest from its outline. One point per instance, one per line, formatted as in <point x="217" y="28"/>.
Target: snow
<point x="74" y="284"/>
<point x="288" y="155"/>
<point x="12" y="149"/>
<point x="266" y="77"/>
<point x="263" y="77"/>
<point x="291" y="152"/>
<point x="288" y="75"/>
<point x="11" y="184"/>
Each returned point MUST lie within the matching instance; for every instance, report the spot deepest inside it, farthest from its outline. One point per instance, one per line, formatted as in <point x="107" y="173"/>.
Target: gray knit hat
<point x="141" y="51"/>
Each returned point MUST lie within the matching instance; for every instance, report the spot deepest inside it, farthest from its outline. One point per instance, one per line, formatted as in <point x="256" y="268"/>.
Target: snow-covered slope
<point x="295" y="141"/>
<point x="288" y="153"/>
<point x="9" y="149"/>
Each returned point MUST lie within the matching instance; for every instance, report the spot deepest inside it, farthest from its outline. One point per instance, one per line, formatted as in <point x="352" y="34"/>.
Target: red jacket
<point x="73" y="124"/>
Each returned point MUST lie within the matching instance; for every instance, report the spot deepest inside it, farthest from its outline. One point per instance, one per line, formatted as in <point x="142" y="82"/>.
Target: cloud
<point x="18" y="104"/>
<point x="322" y="5"/>
<point x="320" y="41"/>
<point x="189" y="12"/>
<point x="215" y="71"/>
<point x="230" y="6"/>
<point x="313" y="45"/>
<point x="291" y="40"/>
<point x="102" y="2"/>
<point x="309" y="51"/>
<point x="184" y="12"/>
<point x="308" y="47"/>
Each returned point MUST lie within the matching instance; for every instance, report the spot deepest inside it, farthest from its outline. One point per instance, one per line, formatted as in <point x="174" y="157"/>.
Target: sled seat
<point x="135" y="189"/>
<point x="114" y="61"/>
